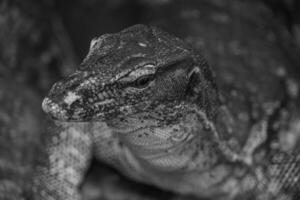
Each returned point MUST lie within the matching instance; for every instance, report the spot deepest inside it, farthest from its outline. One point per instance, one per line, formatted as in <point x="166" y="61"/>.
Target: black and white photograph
<point x="149" y="100"/>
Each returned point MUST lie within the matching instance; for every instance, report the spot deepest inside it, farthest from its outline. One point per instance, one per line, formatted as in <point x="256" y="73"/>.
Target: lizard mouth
<point x="54" y="110"/>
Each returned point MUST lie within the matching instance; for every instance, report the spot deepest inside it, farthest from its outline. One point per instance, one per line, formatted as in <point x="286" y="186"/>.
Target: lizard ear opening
<point x="193" y="87"/>
<point x="202" y="90"/>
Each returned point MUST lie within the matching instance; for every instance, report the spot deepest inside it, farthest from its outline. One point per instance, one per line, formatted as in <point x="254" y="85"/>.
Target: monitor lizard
<point x="147" y="103"/>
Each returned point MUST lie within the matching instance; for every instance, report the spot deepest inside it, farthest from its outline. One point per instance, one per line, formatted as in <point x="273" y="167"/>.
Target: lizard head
<point x="140" y="67"/>
<point x="137" y="79"/>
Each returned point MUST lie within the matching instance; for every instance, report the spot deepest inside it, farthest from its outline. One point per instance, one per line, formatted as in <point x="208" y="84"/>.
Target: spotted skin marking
<point x="71" y="98"/>
<point x="68" y="152"/>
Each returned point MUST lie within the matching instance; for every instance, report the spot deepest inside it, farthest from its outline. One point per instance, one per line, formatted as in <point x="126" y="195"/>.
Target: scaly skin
<point x="145" y="102"/>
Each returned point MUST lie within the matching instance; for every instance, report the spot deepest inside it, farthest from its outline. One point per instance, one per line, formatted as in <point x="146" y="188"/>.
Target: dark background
<point x="43" y="41"/>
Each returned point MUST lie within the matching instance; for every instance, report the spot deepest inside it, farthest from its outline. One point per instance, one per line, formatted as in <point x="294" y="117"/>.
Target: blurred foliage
<point x="35" y="48"/>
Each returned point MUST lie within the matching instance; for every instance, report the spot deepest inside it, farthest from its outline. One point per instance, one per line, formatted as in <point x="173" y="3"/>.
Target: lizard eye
<point x="143" y="81"/>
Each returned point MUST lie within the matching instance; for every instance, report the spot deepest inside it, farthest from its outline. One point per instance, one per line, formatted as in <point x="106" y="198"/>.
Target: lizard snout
<point x="68" y="99"/>
<point x="53" y="109"/>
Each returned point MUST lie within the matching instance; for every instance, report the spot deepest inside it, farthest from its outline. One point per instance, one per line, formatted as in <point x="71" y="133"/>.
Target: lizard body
<point x="147" y="103"/>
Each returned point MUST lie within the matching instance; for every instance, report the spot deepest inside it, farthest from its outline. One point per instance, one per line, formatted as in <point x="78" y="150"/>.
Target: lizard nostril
<point x="57" y="86"/>
<point x="56" y="90"/>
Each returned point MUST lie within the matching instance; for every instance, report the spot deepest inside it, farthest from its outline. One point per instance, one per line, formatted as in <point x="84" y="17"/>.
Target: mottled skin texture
<point x="145" y="102"/>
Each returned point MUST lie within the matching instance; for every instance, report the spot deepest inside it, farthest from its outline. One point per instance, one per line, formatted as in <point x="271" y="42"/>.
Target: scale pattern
<point x="70" y="145"/>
